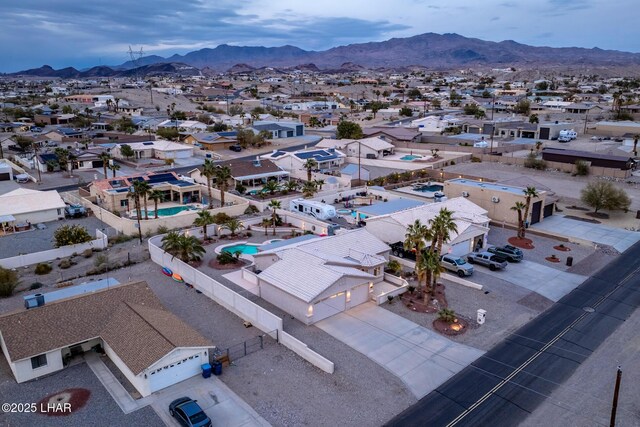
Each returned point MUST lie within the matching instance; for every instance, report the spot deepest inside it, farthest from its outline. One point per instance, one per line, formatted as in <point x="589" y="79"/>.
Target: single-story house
<point x="151" y="346"/>
<point x="366" y="148"/>
<point x="210" y="140"/>
<point x="6" y="171"/>
<point x="183" y="125"/>
<point x="252" y="174"/>
<point x="279" y="129"/>
<point x="397" y="136"/>
<point x="594" y="159"/>
<point x="472" y="222"/>
<point x="316" y="278"/>
<point x="159" y="149"/>
<point x="31" y="206"/>
<point x="498" y="198"/>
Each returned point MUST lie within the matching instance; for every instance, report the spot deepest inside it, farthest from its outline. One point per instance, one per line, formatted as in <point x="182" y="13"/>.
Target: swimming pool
<point x="243" y="248"/>
<point x="343" y="211"/>
<point x="410" y="157"/>
<point x="430" y="188"/>
<point x="168" y="211"/>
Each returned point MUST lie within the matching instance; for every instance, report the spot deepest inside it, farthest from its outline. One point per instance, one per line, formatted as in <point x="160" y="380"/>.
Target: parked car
<point x="75" y="211"/>
<point x="235" y="147"/>
<point x="188" y="413"/>
<point x="494" y="262"/>
<point x="508" y="252"/>
<point x="398" y="250"/>
<point x="456" y="264"/>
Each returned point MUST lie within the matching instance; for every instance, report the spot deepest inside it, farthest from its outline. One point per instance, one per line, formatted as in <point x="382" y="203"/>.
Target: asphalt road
<point x="507" y="383"/>
<point x="186" y="169"/>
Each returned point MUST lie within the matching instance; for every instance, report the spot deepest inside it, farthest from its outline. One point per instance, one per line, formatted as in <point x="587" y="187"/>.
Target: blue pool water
<point x="409" y="157"/>
<point x="430" y="188"/>
<point x="170" y="211"/>
<point x="343" y="211"/>
<point x="245" y="249"/>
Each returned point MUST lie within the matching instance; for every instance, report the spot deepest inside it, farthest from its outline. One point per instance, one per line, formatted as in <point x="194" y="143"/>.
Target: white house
<point x="31" y="206"/>
<point x="184" y="125"/>
<point x="278" y="129"/>
<point x="317" y="278"/>
<point x="435" y="123"/>
<point x="150" y="345"/>
<point x="366" y="148"/>
<point x="158" y="149"/>
<point x="472" y="222"/>
<point x="293" y="162"/>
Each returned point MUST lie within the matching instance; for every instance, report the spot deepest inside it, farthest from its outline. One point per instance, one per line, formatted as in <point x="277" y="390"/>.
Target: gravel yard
<point x="35" y="240"/>
<point x="100" y="410"/>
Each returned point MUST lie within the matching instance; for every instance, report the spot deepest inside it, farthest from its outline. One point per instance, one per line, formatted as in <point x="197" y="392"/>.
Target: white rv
<point x="311" y="207"/>
<point x="567" y="135"/>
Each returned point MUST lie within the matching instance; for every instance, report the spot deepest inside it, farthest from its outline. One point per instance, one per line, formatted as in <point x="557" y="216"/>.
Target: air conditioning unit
<point x="465" y="194"/>
<point x="495" y="199"/>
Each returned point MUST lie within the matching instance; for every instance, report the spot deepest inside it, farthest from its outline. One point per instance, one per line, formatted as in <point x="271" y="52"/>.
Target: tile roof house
<point x="249" y="173"/>
<point x="313" y="279"/>
<point x="472" y="222"/>
<point x="151" y="346"/>
<point x="394" y="135"/>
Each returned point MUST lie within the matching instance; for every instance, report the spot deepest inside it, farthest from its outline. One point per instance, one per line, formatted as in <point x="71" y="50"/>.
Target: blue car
<point x="188" y="413"/>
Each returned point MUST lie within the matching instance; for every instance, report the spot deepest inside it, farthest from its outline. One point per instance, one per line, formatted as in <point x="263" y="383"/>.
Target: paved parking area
<point x="547" y="281"/>
<point x="421" y="358"/>
<point x="620" y="239"/>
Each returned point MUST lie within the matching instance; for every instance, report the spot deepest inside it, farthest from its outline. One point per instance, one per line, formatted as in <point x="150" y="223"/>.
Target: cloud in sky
<point x="83" y="33"/>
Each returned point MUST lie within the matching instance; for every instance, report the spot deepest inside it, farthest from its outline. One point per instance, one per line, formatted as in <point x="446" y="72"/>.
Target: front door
<point x="535" y="212"/>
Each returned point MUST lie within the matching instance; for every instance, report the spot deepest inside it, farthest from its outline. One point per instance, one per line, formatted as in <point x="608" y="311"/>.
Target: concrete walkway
<point x="216" y="399"/>
<point x="421" y="358"/>
<point x="598" y="233"/>
<point x="547" y="281"/>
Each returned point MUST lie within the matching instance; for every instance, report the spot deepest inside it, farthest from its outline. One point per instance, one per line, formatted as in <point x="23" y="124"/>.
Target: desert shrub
<point x="9" y="280"/>
<point x="101" y="263"/>
<point x="251" y="209"/>
<point x="221" y="218"/>
<point x="64" y="263"/>
<point x="87" y="253"/>
<point x="43" y="268"/>
<point x="475" y="159"/>
<point x="532" y="162"/>
<point x="226" y="258"/>
<point x="582" y="168"/>
<point x="70" y="235"/>
<point x="248" y="234"/>
<point x="120" y="238"/>
<point x="453" y="162"/>
<point x="162" y="229"/>
<point x="447" y="315"/>
<point x="35" y="285"/>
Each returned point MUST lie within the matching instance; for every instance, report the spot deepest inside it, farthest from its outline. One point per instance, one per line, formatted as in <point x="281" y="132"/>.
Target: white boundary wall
<point x="101" y="242"/>
<point x="237" y="304"/>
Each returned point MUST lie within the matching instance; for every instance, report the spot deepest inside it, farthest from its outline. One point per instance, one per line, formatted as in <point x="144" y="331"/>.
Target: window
<point x="124" y="203"/>
<point x="38" y="361"/>
<point x="376" y="271"/>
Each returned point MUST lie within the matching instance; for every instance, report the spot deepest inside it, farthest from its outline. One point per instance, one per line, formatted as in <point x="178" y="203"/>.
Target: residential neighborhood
<point x="320" y="245"/>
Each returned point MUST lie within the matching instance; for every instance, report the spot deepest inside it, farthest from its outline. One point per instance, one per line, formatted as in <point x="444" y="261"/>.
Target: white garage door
<point x="460" y="249"/>
<point x="175" y="372"/>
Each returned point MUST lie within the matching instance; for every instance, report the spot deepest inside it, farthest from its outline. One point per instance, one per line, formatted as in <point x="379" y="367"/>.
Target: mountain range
<point x="429" y="50"/>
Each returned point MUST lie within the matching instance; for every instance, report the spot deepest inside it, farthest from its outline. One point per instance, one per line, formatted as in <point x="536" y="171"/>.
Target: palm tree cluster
<point x="523" y="210"/>
<point x="221" y="174"/>
<point x="187" y="248"/>
<point x="426" y="240"/>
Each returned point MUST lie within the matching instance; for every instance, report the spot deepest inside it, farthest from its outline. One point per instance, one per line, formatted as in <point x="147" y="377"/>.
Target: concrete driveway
<point x="547" y="281"/>
<point x="618" y="238"/>
<point x="421" y="358"/>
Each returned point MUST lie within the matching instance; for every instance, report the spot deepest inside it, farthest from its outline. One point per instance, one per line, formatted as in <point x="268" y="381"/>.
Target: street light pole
<point x="493" y="123"/>
<point x="614" y="406"/>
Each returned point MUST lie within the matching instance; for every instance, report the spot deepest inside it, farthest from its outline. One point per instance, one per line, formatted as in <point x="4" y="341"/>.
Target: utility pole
<point x="586" y="119"/>
<point x="493" y="123"/>
<point x="359" y="168"/>
<point x="616" y="392"/>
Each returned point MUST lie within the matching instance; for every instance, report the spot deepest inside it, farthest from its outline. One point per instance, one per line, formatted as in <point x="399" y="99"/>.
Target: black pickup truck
<point x="397" y="249"/>
<point x="508" y="252"/>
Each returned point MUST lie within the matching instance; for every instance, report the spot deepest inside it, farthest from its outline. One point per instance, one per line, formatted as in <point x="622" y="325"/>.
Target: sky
<point x="84" y="33"/>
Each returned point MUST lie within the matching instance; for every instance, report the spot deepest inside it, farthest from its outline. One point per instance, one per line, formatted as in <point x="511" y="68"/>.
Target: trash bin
<point x="217" y="368"/>
<point x="206" y="370"/>
<point x="569" y="261"/>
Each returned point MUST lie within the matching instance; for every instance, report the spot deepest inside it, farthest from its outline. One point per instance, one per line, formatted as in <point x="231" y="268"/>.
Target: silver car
<point x="457" y="265"/>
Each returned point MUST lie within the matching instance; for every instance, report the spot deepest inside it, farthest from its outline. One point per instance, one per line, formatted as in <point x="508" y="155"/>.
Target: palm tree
<point x="186" y="248"/>
<point x="105" y="157"/>
<point x="442" y="226"/>
<point x="133" y="194"/>
<point x="635" y="144"/>
<point x="292" y="185"/>
<point x="320" y="183"/>
<point x="271" y="186"/>
<point x="209" y="171"/>
<point x="273" y="205"/>
<point x="233" y="225"/>
<point x="519" y="207"/>
<point x="114" y="167"/>
<point x="204" y="218"/>
<point x="266" y="223"/>
<point x="143" y="188"/>
<point x="309" y="188"/>
<point x="309" y="165"/>
<point x="156" y="196"/>
<point x="529" y="192"/>
<point x="416" y="240"/>
<point x="223" y="175"/>
<point x="430" y="269"/>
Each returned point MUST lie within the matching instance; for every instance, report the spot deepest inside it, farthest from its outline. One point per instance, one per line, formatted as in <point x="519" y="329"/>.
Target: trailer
<point x="313" y="208"/>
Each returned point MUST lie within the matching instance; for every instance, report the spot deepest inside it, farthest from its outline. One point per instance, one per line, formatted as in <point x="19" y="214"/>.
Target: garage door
<point x="175" y="372"/>
<point x="461" y="249"/>
<point x="5" y="176"/>
<point x="329" y="307"/>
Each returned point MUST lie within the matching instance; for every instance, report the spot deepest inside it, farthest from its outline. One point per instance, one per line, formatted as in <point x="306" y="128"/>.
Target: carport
<point x="7" y="222"/>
